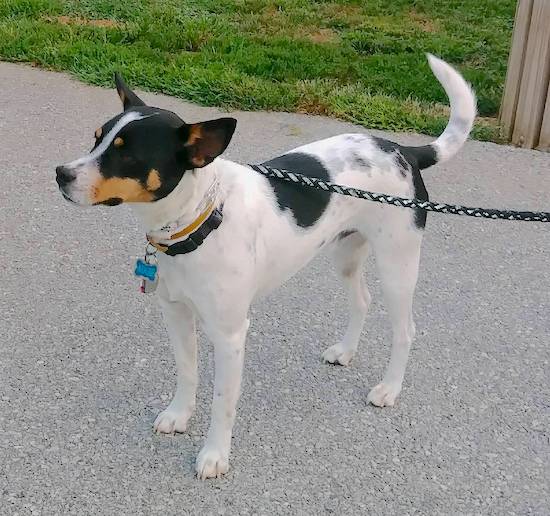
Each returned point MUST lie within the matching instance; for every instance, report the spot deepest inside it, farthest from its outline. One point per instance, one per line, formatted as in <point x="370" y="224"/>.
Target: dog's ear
<point x="205" y="141"/>
<point x="127" y="96"/>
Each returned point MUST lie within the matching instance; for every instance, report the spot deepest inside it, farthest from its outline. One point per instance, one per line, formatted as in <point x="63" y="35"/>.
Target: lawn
<point x="361" y="61"/>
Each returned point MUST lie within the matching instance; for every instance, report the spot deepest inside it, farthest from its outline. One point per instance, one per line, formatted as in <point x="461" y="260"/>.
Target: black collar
<point x="195" y="239"/>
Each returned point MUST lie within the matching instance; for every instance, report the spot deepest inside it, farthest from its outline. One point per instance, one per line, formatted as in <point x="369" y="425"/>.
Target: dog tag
<point x="148" y="286"/>
<point x="148" y="274"/>
<point x="146" y="270"/>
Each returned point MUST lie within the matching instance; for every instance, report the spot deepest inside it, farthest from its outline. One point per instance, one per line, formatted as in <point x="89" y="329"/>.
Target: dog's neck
<point x="183" y="204"/>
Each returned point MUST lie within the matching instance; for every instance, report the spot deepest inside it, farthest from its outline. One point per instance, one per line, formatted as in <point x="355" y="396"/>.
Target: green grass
<point x="361" y="61"/>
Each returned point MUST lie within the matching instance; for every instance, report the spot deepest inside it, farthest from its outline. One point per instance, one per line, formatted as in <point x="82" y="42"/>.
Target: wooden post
<point x="515" y="66"/>
<point x="524" y="111"/>
<point x="544" y="141"/>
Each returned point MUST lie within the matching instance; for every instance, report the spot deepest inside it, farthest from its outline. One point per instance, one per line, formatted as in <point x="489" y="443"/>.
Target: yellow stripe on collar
<point x="186" y="230"/>
<point x="194" y="225"/>
<point x="161" y="248"/>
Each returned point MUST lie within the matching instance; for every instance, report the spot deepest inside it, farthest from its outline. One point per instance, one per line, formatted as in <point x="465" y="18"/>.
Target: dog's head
<point x="141" y="154"/>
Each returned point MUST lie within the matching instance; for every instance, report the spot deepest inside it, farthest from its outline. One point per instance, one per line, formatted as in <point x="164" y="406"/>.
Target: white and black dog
<point x="225" y="234"/>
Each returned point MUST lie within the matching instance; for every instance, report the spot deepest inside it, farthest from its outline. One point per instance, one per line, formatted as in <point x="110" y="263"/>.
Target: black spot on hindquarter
<point x="416" y="158"/>
<point x="422" y="157"/>
<point x="403" y="164"/>
<point x="360" y="161"/>
<point x="306" y="204"/>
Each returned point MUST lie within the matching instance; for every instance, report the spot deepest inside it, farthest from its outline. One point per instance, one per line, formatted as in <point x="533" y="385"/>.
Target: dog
<point x="224" y="234"/>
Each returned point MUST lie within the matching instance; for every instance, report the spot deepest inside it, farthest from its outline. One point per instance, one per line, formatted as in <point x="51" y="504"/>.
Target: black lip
<point x="66" y="197"/>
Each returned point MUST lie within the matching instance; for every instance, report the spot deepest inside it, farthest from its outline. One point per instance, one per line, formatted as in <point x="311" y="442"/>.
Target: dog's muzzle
<point x="64" y="177"/>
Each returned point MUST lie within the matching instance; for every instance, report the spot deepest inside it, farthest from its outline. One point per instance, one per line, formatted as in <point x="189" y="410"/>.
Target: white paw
<point x="384" y="394"/>
<point x="211" y="463"/>
<point x="170" y="421"/>
<point x="338" y="355"/>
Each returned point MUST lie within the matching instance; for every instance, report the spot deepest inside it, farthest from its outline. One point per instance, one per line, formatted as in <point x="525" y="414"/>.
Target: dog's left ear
<point x="128" y="97"/>
<point x="205" y="141"/>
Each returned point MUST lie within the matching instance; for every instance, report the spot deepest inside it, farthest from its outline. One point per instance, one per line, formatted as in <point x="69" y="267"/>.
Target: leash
<point x="147" y="267"/>
<point x="452" y="209"/>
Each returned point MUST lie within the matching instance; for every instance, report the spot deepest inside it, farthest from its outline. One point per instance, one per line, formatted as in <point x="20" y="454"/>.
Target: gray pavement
<point x="85" y="364"/>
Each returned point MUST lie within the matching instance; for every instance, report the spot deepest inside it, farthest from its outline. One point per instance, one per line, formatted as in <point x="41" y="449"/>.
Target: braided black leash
<point x="453" y="209"/>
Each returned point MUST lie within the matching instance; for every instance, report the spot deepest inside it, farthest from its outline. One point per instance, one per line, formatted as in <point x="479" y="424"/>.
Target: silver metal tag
<point x="148" y="286"/>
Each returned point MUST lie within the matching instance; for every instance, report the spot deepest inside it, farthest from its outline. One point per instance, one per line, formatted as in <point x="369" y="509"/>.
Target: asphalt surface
<point x="85" y="365"/>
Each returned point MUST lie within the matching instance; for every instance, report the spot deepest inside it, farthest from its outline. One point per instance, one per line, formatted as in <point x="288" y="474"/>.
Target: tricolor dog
<point x="224" y="235"/>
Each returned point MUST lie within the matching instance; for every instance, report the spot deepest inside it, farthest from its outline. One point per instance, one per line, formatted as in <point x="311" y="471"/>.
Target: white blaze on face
<point x="86" y="169"/>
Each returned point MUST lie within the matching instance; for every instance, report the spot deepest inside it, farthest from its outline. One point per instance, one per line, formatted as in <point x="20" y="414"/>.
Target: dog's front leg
<point x="213" y="459"/>
<point x="180" y="323"/>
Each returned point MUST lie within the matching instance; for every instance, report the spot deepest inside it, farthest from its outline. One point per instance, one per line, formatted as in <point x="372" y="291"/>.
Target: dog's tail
<point x="463" y="112"/>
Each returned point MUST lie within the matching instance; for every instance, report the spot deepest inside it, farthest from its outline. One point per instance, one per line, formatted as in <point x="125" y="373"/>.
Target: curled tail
<point x="463" y="112"/>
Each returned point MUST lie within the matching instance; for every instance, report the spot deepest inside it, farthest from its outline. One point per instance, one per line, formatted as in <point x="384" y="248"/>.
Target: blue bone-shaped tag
<point x="145" y="270"/>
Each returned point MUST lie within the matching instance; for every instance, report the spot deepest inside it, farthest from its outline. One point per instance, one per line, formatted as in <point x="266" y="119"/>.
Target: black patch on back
<point x="416" y="159"/>
<point x="306" y="204"/>
<point x="385" y="145"/>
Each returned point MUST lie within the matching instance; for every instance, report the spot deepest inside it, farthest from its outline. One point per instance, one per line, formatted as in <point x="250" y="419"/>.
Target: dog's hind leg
<point x="349" y="254"/>
<point x="397" y="258"/>
<point x="180" y="323"/>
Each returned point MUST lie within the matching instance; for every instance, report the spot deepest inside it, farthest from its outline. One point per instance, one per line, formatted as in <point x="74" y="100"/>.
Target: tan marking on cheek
<point x="125" y="188"/>
<point x="118" y="142"/>
<point x="98" y="132"/>
<point x="153" y="180"/>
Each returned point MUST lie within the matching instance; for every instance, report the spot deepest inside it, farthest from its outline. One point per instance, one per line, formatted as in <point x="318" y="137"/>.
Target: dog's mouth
<point x="113" y="201"/>
<point x="66" y="197"/>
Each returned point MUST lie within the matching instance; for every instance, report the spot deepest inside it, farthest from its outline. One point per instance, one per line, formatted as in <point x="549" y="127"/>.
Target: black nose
<point x="63" y="176"/>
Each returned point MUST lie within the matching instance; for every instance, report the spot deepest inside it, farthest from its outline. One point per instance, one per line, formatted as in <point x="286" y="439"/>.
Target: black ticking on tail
<point x="306" y="204"/>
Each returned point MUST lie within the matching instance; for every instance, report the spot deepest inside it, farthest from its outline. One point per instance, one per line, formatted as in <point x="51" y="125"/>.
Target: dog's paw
<point x="384" y="394"/>
<point x="338" y="355"/>
<point x="211" y="463"/>
<point x="170" y="421"/>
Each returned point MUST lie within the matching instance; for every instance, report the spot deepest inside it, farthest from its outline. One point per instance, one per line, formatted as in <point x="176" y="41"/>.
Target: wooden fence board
<point x="515" y="66"/>
<point x="535" y="78"/>
<point x="544" y="142"/>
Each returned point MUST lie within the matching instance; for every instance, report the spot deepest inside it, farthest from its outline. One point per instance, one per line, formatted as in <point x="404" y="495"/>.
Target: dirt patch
<point x="341" y="11"/>
<point x="423" y="22"/>
<point x="72" y="20"/>
<point x="312" y="107"/>
<point x="323" y="36"/>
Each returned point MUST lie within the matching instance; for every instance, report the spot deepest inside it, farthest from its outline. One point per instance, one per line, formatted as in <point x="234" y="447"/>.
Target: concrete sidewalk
<point x="85" y="364"/>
